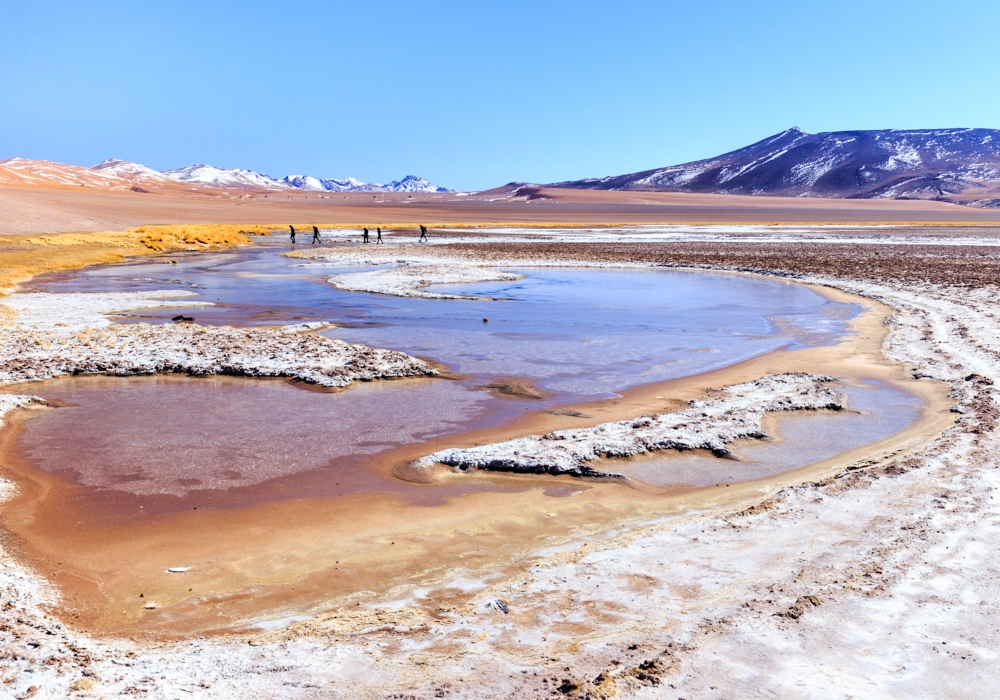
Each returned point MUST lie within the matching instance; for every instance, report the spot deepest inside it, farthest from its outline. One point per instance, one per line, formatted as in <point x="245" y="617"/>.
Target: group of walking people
<point x="365" y="236"/>
<point x="315" y="234"/>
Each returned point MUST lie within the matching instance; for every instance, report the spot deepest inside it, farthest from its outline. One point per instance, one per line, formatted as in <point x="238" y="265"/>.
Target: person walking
<point x="293" y="233"/>
<point x="315" y="235"/>
<point x="364" y="235"/>
<point x="423" y="234"/>
<point x="379" y="239"/>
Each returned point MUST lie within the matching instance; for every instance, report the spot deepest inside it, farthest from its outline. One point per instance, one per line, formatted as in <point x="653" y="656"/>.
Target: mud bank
<point x="710" y="424"/>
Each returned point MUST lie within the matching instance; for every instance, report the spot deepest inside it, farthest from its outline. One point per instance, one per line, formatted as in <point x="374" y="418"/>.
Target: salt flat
<point x="875" y="580"/>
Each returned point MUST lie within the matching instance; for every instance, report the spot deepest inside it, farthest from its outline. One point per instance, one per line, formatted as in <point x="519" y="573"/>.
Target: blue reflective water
<point x="576" y="332"/>
<point x="876" y="411"/>
<point x="595" y="331"/>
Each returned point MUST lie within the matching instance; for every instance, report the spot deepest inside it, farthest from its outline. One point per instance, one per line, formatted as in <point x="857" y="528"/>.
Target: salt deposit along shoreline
<point x="407" y="280"/>
<point x="48" y="335"/>
<point x="873" y="582"/>
<point x="709" y="424"/>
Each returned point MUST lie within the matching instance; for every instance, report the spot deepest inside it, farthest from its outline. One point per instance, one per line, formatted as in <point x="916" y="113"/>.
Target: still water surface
<point x="576" y="334"/>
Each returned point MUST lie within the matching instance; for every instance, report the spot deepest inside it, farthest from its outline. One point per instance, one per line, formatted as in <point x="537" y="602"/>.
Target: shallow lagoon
<point x="577" y="334"/>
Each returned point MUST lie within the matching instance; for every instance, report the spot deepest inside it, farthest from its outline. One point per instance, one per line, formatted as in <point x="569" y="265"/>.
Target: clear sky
<point x="475" y="94"/>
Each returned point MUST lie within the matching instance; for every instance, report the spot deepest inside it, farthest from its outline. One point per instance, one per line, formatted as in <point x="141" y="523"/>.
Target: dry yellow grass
<point x="23" y="258"/>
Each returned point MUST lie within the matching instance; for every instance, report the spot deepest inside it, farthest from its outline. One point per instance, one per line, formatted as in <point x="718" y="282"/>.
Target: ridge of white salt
<point x="708" y="425"/>
<point x="307" y="327"/>
<point x="409" y="280"/>
<point x="58" y="334"/>
<point x="76" y="311"/>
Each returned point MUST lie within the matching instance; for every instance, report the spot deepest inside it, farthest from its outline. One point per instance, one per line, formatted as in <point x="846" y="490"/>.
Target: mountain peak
<point x="128" y="170"/>
<point x="954" y="165"/>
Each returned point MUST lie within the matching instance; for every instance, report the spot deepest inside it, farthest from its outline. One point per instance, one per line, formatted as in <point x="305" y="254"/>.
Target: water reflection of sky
<point x="876" y="411"/>
<point x="575" y="331"/>
<point x="592" y="331"/>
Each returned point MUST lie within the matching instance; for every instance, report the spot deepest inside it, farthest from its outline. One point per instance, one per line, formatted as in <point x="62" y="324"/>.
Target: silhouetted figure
<point x="364" y="236"/>
<point x="379" y="239"/>
<point x="293" y="233"/>
<point x="315" y="235"/>
<point x="423" y="234"/>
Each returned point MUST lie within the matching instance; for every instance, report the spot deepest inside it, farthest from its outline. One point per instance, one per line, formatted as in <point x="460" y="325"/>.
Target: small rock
<point x="82" y="684"/>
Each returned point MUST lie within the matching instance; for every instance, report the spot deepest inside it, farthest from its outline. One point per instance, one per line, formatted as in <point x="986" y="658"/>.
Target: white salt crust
<point x="59" y="334"/>
<point x="409" y="280"/>
<point x="738" y="412"/>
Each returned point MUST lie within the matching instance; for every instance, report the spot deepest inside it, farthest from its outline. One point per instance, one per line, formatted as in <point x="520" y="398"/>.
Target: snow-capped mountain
<point x="118" y="174"/>
<point x="959" y="165"/>
<point x="248" y="179"/>
<point x="234" y="178"/>
<point x="308" y="182"/>
<point x="410" y="183"/>
<point x="129" y="170"/>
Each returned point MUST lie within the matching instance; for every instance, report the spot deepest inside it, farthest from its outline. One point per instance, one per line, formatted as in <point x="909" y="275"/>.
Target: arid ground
<point x="871" y="574"/>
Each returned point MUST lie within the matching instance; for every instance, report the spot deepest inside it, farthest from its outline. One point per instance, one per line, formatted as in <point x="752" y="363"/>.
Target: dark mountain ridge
<point x="953" y="165"/>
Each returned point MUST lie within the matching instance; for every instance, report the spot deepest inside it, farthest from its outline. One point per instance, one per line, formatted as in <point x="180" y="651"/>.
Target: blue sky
<point x="476" y="94"/>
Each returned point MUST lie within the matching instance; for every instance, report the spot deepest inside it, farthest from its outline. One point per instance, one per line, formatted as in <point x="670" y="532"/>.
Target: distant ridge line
<point x="961" y="166"/>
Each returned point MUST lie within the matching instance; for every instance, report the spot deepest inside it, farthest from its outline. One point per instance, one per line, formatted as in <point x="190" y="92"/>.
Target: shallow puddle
<point x="877" y="411"/>
<point x="175" y="435"/>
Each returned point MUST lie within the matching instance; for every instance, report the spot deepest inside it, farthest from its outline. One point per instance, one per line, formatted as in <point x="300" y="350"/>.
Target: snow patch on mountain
<point x="308" y="182"/>
<point x="413" y="183"/>
<point x="212" y="176"/>
<point x="955" y="165"/>
<point x="244" y="179"/>
<point x="129" y="171"/>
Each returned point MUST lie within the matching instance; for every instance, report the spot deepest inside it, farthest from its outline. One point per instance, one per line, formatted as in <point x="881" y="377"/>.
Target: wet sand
<point x="313" y="554"/>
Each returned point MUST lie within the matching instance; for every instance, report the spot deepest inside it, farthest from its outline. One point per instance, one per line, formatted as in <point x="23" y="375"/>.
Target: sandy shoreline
<point x="586" y="630"/>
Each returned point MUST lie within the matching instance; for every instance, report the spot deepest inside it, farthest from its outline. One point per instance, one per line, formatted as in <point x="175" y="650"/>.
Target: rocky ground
<point x="882" y="581"/>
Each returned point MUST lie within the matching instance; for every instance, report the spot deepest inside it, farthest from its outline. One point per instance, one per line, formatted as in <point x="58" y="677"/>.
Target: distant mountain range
<point x="953" y="165"/>
<point x="248" y="179"/>
<point x="124" y="175"/>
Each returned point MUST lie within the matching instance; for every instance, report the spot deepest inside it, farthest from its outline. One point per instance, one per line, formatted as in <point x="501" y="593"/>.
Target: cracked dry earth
<point x="880" y="582"/>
